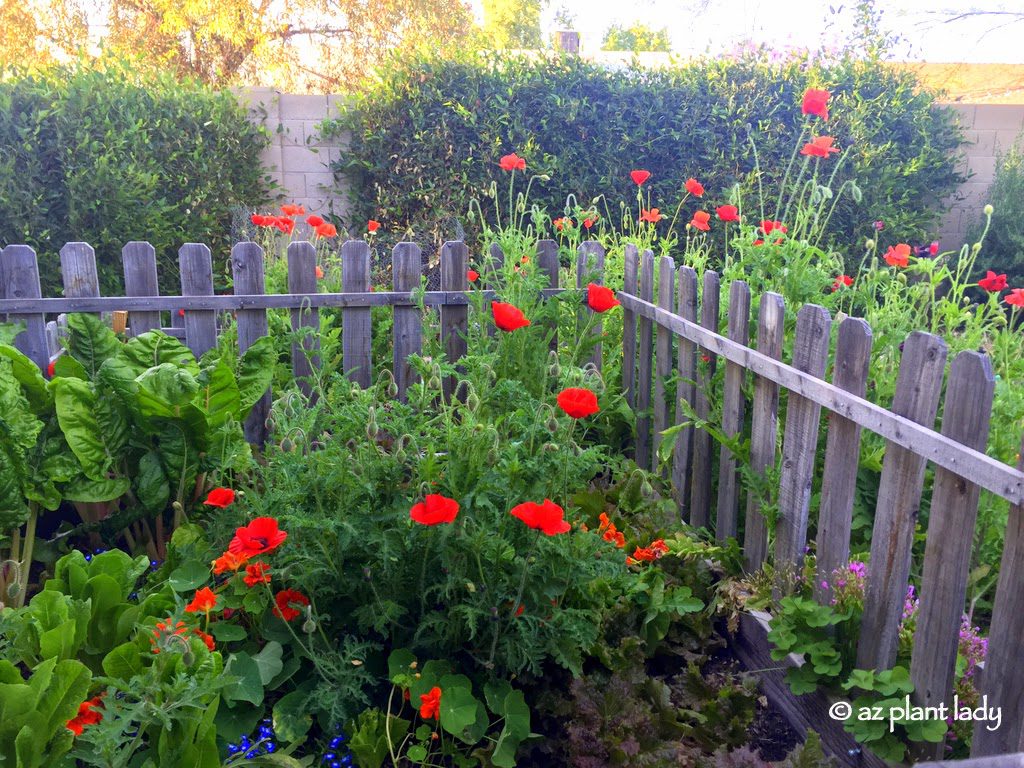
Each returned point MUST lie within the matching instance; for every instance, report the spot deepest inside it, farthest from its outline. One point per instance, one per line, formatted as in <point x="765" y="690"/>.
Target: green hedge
<point x="428" y="138"/>
<point x="1004" y="242"/>
<point x="109" y="155"/>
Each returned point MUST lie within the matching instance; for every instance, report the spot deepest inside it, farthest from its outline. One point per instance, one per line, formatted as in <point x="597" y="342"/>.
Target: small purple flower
<point x="879" y="225"/>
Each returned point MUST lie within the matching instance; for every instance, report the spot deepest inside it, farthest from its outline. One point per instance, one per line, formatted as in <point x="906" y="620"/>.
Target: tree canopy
<point x="637" y="38"/>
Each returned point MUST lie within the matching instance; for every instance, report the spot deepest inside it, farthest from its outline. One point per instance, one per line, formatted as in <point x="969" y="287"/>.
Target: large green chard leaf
<point x="19" y="430"/>
<point x="86" y="489"/>
<point x="84" y="427"/>
<point x="218" y="396"/>
<point x="9" y="332"/>
<point x="90" y="341"/>
<point x="13" y="507"/>
<point x="164" y="389"/>
<point x="154" y="348"/>
<point x="178" y="454"/>
<point x="151" y="485"/>
<point x="33" y="385"/>
<point x="255" y="372"/>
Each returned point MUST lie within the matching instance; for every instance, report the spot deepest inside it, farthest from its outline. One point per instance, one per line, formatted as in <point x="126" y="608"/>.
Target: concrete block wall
<point x="991" y="130"/>
<point x="298" y="158"/>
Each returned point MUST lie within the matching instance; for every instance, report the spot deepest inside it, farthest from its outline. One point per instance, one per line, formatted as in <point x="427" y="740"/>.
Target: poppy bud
<point x="646" y="489"/>
<point x="552" y="424"/>
<point x="188" y="658"/>
<point x="309" y="626"/>
<point x="554" y="370"/>
<point x="902" y="278"/>
<point x="975" y="249"/>
<point x="436" y="370"/>
<point x="473" y="402"/>
<point x="494" y="614"/>
<point x="269" y="424"/>
<point x="176" y="506"/>
<point x="874" y="264"/>
<point x="351" y="444"/>
<point x="550" y="447"/>
<point x="392" y="389"/>
<point x="988" y="209"/>
<point x="434" y="383"/>
<point x="869" y="243"/>
<point x="371" y="429"/>
<point x="13" y="590"/>
<point x="287" y="445"/>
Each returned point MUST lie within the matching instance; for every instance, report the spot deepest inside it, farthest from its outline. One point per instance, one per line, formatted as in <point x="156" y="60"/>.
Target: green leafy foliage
<point x="1004" y="237"/>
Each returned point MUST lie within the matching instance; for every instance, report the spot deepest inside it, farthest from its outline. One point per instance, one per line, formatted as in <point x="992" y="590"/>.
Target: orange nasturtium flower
<point x="229" y="561"/>
<point x="204" y="601"/>
<point x="257" y="573"/>
<point x="430" y="704"/>
<point x="284" y="602"/>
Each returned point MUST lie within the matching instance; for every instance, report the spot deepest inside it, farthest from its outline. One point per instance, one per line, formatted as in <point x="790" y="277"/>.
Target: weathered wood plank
<point x="247" y="272"/>
<point x="590" y="269"/>
<point x="899" y="498"/>
<point x="78" y="270"/>
<point x="685" y="392"/>
<point x="547" y="262"/>
<point x="305" y="316"/>
<point x="700" y="496"/>
<point x="799" y="444"/>
<point x="454" y="319"/>
<point x="664" y="362"/>
<point x="947" y="556"/>
<point x="992" y="475"/>
<point x="806" y="712"/>
<point x="406" y="268"/>
<point x="764" y="426"/>
<point x="732" y="415"/>
<point x="19" y="271"/>
<point x="196" y="263"/>
<point x="630" y="268"/>
<point x="356" y="322"/>
<point x="1003" y="681"/>
<point x="140" y="279"/>
<point x="645" y="351"/>
<point x="842" y="457"/>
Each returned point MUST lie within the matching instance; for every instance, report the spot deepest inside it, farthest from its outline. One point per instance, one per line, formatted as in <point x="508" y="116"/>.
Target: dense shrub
<point x="427" y="140"/>
<point x="1004" y="241"/>
<point x="109" y="155"/>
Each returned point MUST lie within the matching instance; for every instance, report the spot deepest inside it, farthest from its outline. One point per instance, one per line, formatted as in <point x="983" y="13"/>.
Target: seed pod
<point x="13" y="590"/>
<point x="434" y="383"/>
<point x="473" y="402"/>
<point x="646" y="489"/>
<point x="901" y="278"/>
<point x="988" y="209"/>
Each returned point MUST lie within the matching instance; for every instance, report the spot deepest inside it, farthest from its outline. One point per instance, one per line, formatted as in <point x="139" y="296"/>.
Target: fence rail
<point x="672" y="344"/>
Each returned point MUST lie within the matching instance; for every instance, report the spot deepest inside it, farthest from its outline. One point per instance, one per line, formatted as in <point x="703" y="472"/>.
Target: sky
<point x="716" y="25"/>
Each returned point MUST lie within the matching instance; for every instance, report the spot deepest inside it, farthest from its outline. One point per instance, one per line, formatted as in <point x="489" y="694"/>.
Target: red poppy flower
<point x="601" y="298"/>
<point x="285" y="599"/>
<point x="434" y="509"/>
<point x="819" y="147"/>
<point x="285" y="224"/>
<point x="181" y="313"/>
<point x="520" y="610"/>
<point x="207" y="639"/>
<point x="258" y="537"/>
<point x="933" y="249"/>
<point x="430" y="704"/>
<point x="992" y="282"/>
<point x="512" y="162"/>
<point x="578" y="402"/>
<point x="203" y="602"/>
<point x="728" y="213"/>
<point x="259" y="221"/>
<point x="816" y="102"/>
<point x="639" y="177"/>
<point x="293" y="210"/>
<point x="319" y="272"/>
<point x="759" y="241"/>
<point x="897" y="255"/>
<point x="561" y="223"/>
<point x="1015" y="297"/>
<point x="51" y="368"/>
<point x="327" y="230"/>
<point x="546" y="517"/>
<point x="314" y="221"/>
<point x="220" y="497"/>
<point x="257" y="573"/>
<point x="588" y="223"/>
<point x="768" y="226"/>
<point x="843" y="281"/>
<point x="507" y="316"/>
<point x="653" y="216"/>
<point x="229" y="561"/>
<point x="372" y="225"/>
<point x="700" y="221"/>
<point x="88" y="714"/>
<point x="694" y="187"/>
<point x="472" y="275"/>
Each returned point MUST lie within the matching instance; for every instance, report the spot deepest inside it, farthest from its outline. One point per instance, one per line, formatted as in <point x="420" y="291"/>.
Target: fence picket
<point x="1003" y="680"/>
<point x="590" y="269"/>
<point x="899" y="498"/>
<point x="494" y="265"/>
<point x="406" y="267"/>
<point x="663" y="352"/>
<point x="140" y="279"/>
<point x="247" y="272"/>
<point x="799" y="444"/>
<point x="685" y="385"/>
<point x="700" y="497"/>
<point x="842" y="457"/>
<point x="643" y="371"/>
<point x="305" y="319"/>
<point x="732" y="414"/>
<point x="196" y="263"/>
<point x="631" y="257"/>
<point x="764" y="426"/>
<point x="78" y="271"/>
<point x="356" y="322"/>
<point x="947" y="556"/>
<point x="547" y="261"/>
<point x="454" y="317"/>
<point x="19" y="279"/>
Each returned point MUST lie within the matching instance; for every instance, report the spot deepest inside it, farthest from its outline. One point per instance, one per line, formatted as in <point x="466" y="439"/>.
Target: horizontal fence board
<point x="992" y="475"/>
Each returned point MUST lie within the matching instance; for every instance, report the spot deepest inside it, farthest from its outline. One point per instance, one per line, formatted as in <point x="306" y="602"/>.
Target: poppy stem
<point x="565" y="469"/>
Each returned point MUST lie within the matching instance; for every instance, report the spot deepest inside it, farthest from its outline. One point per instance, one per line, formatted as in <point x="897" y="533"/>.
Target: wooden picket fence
<point x="671" y="333"/>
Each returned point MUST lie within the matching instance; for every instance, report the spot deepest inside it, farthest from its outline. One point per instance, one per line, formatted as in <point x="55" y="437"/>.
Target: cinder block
<point x="964" y="113"/>
<point x="301" y="107"/>
<point x="999" y="117"/>
<point x="301" y="160"/>
<point x="295" y="183"/>
<point x="983" y="169"/>
<point x="982" y="142"/>
<point x="313" y="133"/>
<point x="1006" y="139"/>
<point x="271" y="158"/>
<point x="290" y="133"/>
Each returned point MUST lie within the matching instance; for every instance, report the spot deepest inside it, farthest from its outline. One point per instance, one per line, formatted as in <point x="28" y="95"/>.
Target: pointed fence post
<point x="305" y="319"/>
<point x="356" y="322"/>
<point x="19" y="279"/>
<point x="700" y="500"/>
<point x="140" y="279"/>
<point x="732" y="414"/>
<point x="685" y="392"/>
<point x="196" y="264"/>
<point x="643" y="370"/>
<point x="406" y="267"/>
<point x="664" y="362"/>
<point x="78" y="271"/>
<point x="630" y="286"/>
<point x="454" y="317"/>
<point x="547" y="261"/>
<point x="590" y="269"/>
<point x="247" y="270"/>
